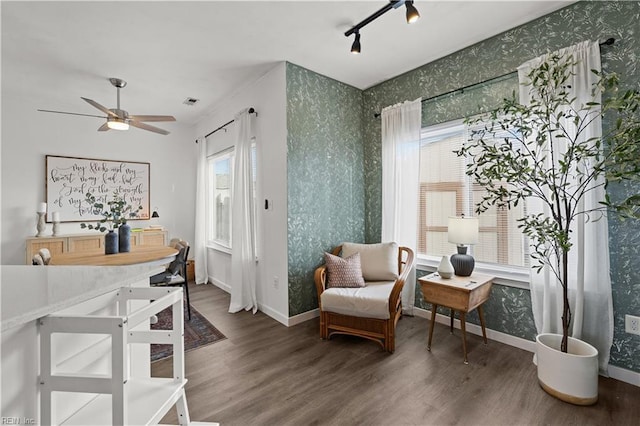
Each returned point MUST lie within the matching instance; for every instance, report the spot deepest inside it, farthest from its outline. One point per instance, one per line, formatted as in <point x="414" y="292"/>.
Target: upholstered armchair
<point x="368" y="305"/>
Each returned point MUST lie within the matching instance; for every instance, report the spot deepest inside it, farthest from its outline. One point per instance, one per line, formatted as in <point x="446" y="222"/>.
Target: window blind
<point x="446" y="190"/>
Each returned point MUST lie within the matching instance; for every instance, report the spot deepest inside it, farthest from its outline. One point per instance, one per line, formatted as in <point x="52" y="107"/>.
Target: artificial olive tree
<point x="539" y="150"/>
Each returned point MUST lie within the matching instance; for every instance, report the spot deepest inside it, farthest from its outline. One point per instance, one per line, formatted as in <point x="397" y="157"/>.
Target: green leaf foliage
<point x="115" y="214"/>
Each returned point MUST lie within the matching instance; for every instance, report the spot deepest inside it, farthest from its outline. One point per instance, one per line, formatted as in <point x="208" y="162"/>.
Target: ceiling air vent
<point x="191" y="101"/>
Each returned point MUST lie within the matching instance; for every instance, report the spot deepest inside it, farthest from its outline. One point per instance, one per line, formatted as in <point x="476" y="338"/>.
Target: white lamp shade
<point x="463" y="230"/>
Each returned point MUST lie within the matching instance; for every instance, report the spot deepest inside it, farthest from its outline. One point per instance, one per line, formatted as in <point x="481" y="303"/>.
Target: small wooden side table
<point x="462" y="294"/>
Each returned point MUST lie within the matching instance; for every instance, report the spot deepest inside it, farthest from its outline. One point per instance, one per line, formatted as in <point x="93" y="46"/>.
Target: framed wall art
<point x="69" y="179"/>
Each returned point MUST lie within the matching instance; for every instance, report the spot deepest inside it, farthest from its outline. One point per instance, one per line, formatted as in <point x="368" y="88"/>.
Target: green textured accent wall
<point x="509" y="309"/>
<point x="325" y="175"/>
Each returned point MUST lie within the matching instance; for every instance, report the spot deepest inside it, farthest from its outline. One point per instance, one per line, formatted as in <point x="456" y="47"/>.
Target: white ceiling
<point x="55" y="52"/>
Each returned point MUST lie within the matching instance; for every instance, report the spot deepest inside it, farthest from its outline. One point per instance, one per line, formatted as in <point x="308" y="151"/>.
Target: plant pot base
<point x="568" y="398"/>
<point x="569" y="376"/>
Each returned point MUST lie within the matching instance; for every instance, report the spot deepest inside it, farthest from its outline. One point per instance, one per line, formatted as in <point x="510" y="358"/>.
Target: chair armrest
<point x="408" y="262"/>
<point x="405" y="266"/>
<point x="320" y="279"/>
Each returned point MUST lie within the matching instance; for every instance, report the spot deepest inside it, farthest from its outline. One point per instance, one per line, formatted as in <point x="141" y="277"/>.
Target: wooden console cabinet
<point x="84" y="242"/>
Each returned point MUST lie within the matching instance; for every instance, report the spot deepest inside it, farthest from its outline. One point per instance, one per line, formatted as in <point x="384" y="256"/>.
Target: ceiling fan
<point x="119" y="119"/>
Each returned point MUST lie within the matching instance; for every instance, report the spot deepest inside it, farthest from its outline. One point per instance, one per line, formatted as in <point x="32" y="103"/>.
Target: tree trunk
<point x="566" y="311"/>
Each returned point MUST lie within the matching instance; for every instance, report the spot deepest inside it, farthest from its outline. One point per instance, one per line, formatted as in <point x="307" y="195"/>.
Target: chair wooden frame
<point x="378" y="330"/>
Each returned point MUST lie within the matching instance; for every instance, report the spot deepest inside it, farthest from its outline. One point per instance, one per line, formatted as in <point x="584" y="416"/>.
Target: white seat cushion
<point x="379" y="262"/>
<point x="371" y="301"/>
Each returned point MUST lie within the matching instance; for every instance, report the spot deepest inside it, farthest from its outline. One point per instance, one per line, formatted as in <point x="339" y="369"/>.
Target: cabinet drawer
<point x="88" y="243"/>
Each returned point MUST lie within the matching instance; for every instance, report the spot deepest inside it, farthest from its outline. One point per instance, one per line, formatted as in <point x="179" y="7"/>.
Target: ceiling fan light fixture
<point x="412" y="12"/>
<point x="117" y="124"/>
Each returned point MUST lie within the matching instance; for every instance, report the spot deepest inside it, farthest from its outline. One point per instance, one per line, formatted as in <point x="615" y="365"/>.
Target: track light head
<point x="412" y="16"/>
<point x="412" y="12"/>
<point x="355" y="47"/>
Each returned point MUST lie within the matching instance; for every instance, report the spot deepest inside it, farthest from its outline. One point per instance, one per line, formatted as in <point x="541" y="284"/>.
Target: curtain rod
<point x="251" y="111"/>
<point x="608" y="42"/>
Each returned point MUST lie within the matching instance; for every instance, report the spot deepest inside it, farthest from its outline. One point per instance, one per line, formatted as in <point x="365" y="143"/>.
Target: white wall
<point x="29" y="135"/>
<point x="268" y="96"/>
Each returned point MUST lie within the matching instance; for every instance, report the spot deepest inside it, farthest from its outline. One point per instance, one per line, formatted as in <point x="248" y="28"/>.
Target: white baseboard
<point x="305" y="316"/>
<point x="220" y="284"/>
<point x="498" y="336"/>
<point x="282" y="319"/>
<point x="624" y="375"/>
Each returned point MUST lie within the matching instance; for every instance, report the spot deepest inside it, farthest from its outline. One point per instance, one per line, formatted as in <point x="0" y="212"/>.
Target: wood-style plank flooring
<point x="267" y="374"/>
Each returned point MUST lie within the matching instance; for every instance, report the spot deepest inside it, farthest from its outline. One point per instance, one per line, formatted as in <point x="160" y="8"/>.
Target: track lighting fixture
<point x="355" y="47"/>
<point x="412" y="16"/>
<point x="412" y="12"/>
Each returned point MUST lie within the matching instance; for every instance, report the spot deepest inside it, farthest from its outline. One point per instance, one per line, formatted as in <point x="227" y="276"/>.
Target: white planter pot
<point x="571" y="377"/>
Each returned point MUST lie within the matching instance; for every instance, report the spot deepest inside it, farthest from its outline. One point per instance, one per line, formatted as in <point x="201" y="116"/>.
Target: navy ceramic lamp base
<point x="462" y="262"/>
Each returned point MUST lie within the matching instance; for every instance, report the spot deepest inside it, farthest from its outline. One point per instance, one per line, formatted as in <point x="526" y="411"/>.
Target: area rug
<point x="198" y="332"/>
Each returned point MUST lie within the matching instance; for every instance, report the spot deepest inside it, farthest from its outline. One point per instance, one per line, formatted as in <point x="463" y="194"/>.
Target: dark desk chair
<point x="176" y="273"/>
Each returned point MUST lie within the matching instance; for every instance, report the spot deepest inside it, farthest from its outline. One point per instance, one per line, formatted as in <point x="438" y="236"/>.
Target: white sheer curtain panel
<point x="200" y="239"/>
<point x="589" y="280"/>
<point x="243" y="243"/>
<point x="401" y="126"/>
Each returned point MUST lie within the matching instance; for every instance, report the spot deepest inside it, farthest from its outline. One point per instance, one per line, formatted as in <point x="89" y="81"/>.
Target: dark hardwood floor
<point x="267" y="374"/>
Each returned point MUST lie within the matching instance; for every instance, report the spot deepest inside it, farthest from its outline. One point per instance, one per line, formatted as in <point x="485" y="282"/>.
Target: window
<point x="219" y="196"/>
<point x="219" y="199"/>
<point x="446" y="190"/>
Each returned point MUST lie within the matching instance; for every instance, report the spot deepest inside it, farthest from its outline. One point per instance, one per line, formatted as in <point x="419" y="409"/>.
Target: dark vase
<point x="124" y="238"/>
<point x="111" y="243"/>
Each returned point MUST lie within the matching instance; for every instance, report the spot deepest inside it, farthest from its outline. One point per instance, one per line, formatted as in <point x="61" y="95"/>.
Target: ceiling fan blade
<point x="152" y="117"/>
<point x="104" y="127"/>
<point x="148" y="127"/>
<point x="100" y="107"/>
<point x="71" y="113"/>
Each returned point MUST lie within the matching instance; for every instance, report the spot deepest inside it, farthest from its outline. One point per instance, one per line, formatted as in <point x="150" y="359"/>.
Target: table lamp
<point x="461" y="231"/>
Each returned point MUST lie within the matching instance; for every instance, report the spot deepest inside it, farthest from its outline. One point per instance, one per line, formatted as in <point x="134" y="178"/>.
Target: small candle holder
<point x="55" y="218"/>
<point x="41" y="224"/>
<point x="56" y="229"/>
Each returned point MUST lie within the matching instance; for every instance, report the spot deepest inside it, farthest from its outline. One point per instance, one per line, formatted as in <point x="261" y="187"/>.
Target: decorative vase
<point x="111" y="242"/>
<point x="572" y="376"/>
<point x="445" y="268"/>
<point x="463" y="263"/>
<point x="124" y="238"/>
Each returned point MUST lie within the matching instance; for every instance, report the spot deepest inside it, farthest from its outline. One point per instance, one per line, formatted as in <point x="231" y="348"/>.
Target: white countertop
<point x="30" y="292"/>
